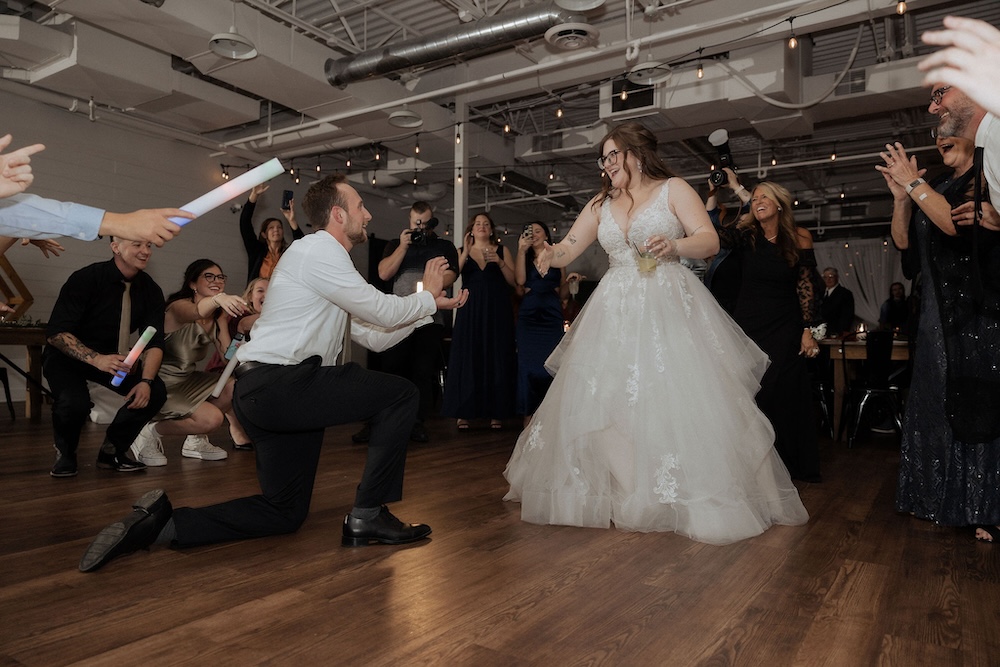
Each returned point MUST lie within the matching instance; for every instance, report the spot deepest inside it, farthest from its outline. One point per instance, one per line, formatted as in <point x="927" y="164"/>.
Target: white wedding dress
<point x="650" y="422"/>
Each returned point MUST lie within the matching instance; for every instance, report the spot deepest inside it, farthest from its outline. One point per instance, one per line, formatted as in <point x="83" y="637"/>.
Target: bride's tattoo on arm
<point x="571" y="239"/>
<point x="71" y="346"/>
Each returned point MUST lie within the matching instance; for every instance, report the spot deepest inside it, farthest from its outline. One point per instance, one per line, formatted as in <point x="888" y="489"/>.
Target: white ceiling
<point x="469" y="67"/>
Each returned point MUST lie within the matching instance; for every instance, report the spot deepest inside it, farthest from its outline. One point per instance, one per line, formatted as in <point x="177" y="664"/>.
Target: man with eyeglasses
<point x="88" y="338"/>
<point x="959" y="116"/>
<point x="969" y="61"/>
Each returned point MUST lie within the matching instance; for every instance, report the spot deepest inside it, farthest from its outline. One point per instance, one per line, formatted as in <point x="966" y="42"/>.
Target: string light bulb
<point x="225" y="172"/>
<point x="291" y="169"/>
<point x="416" y="146"/>
<point x="458" y="135"/>
<point x="624" y="95"/>
<point x="374" y="180"/>
<point x="378" y="153"/>
<point x="348" y="163"/>
<point x="833" y="155"/>
<point x="552" y="175"/>
<point x="701" y="70"/>
<point x="774" y="160"/>
<point x="459" y="178"/>
<point x="843" y="194"/>
<point x="901" y="7"/>
<point x="414" y="177"/>
<point x="792" y="42"/>
<point x="503" y="175"/>
<point x="318" y="167"/>
<point x="559" y="111"/>
<point x="506" y="128"/>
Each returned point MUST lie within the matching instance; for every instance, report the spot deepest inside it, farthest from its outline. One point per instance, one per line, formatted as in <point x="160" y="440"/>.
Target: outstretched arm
<point x="580" y="236"/>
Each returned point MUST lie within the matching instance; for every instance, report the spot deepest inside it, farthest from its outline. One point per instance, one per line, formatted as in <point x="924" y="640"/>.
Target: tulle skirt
<point x="650" y="422"/>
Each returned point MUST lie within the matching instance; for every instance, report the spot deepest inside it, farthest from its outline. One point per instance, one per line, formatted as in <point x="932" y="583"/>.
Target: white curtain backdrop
<point x="867" y="267"/>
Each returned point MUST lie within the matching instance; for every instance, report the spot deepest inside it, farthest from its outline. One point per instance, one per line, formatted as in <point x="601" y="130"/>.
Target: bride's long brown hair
<point x="636" y="139"/>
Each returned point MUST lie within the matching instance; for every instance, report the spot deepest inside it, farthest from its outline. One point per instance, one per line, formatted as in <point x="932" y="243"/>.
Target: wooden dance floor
<point x="859" y="585"/>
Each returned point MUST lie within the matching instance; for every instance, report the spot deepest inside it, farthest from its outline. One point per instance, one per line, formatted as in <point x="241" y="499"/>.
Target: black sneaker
<point x="65" y="465"/>
<point x="118" y="462"/>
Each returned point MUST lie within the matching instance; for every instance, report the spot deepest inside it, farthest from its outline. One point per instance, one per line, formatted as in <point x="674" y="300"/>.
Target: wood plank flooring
<point x="859" y="585"/>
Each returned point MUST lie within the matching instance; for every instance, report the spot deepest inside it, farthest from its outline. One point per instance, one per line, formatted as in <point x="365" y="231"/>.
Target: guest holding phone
<point x="264" y="249"/>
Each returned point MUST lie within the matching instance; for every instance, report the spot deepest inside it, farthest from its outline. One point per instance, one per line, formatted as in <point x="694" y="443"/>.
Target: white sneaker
<point x="198" y="447"/>
<point x="148" y="448"/>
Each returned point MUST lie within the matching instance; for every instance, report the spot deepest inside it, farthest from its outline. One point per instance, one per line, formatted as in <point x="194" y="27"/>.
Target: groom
<point x="288" y="390"/>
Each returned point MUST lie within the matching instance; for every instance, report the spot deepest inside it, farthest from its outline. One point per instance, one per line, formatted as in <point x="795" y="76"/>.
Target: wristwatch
<point x="909" y="188"/>
<point x="147" y="381"/>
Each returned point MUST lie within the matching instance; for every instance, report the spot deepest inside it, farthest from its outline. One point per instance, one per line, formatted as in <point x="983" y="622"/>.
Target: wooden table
<point x="853" y="351"/>
<point x="33" y="338"/>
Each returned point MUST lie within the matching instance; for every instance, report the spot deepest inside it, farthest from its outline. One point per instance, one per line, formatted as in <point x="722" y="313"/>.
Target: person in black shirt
<point x="418" y="357"/>
<point x="83" y="344"/>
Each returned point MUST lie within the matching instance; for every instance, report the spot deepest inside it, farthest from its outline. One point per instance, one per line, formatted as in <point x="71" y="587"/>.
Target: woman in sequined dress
<point x="949" y="468"/>
<point x="650" y="422"/>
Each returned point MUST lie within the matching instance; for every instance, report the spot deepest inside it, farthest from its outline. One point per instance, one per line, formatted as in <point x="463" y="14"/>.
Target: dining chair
<point x="873" y="382"/>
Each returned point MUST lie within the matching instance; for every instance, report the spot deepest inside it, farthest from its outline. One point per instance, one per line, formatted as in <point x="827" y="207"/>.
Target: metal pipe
<point x="499" y="30"/>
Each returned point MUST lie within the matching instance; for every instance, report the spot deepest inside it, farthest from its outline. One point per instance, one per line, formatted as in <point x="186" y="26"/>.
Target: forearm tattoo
<point x="71" y="346"/>
<point x="571" y="239"/>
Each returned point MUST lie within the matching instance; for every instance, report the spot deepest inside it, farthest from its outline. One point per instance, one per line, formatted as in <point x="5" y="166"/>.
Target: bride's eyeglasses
<point x="610" y="157"/>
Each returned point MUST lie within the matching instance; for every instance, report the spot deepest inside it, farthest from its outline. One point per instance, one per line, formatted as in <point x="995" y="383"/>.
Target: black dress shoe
<point x="136" y="531"/>
<point x="362" y="436"/>
<point x="384" y="528"/>
<point x="419" y="433"/>
<point x="118" y="462"/>
<point x="245" y="447"/>
<point x="65" y="465"/>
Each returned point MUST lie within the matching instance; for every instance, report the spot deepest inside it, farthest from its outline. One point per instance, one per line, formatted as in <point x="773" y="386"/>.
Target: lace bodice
<point x="655" y="217"/>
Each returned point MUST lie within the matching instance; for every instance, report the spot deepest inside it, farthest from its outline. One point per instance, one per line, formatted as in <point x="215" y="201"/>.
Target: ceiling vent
<point x="854" y="82"/>
<point x="571" y="36"/>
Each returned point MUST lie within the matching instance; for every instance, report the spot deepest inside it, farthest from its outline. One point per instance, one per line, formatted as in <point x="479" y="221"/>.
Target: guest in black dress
<point x="480" y="381"/>
<point x="777" y="306"/>
<point x="539" y="320"/>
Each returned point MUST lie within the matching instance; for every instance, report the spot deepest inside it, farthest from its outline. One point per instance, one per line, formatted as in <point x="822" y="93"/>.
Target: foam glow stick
<point x="133" y="354"/>
<point x="226" y="372"/>
<point x="231" y="189"/>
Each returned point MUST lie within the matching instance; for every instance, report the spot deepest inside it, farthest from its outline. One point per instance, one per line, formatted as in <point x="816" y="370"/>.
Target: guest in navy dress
<point x="480" y="381"/>
<point x="539" y="321"/>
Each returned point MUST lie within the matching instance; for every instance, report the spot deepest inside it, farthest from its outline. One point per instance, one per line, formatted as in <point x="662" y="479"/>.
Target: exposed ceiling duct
<point x="501" y="30"/>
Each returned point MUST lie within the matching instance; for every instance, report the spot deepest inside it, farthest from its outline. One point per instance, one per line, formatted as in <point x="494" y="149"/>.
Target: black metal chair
<point x="6" y="391"/>
<point x="820" y="375"/>
<point x="872" y="382"/>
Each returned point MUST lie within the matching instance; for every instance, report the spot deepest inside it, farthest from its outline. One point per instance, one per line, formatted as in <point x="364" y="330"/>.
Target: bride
<point x="650" y="422"/>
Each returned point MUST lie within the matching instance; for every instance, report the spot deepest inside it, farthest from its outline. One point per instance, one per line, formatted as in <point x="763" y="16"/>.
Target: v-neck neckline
<point x="629" y="219"/>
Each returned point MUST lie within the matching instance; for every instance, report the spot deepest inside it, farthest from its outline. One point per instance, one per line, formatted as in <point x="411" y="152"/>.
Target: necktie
<point x="125" y="324"/>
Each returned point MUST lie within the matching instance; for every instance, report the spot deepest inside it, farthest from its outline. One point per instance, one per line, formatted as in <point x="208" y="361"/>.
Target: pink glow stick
<point x="231" y="189"/>
<point x="133" y="354"/>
